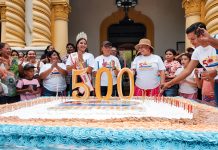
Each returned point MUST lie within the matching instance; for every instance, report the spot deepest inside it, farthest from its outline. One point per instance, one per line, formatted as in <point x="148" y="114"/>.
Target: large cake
<point x="139" y="123"/>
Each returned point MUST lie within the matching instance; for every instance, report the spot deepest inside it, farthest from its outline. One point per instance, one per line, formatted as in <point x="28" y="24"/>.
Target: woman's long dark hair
<point x="187" y="55"/>
<point x="14" y="51"/>
<point x="171" y="50"/>
<point x="43" y="56"/>
<point x="51" y="52"/>
<point x="76" y="50"/>
<point x="2" y="45"/>
<point x="46" y="50"/>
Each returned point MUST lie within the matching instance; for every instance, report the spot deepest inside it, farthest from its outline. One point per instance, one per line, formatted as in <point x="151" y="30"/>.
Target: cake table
<point x="139" y="123"/>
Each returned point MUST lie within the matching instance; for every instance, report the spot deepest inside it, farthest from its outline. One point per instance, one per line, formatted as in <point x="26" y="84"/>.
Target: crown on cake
<point x="81" y="35"/>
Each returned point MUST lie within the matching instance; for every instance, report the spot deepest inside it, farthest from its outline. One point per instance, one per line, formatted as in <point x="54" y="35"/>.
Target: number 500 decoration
<point x="75" y="84"/>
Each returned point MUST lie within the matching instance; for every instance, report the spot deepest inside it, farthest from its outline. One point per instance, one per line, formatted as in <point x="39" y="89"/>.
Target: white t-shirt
<point x="87" y="57"/>
<point x="98" y="64"/>
<point x="206" y="56"/>
<point x="54" y="81"/>
<point x="147" y="68"/>
<point x="185" y="87"/>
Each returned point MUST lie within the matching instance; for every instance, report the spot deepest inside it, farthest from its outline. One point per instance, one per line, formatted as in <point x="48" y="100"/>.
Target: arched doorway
<point x="124" y="36"/>
<point x="124" y="33"/>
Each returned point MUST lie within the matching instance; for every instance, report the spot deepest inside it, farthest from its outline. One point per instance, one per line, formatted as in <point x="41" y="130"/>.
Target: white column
<point x="3" y="24"/>
<point x="61" y="12"/>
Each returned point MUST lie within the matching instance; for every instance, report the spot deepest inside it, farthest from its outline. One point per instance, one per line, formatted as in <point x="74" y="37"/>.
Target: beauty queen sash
<point x="85" y="77"/>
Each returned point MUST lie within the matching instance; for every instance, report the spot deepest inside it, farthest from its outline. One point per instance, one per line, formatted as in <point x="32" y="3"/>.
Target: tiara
<point x="81" y="35"/>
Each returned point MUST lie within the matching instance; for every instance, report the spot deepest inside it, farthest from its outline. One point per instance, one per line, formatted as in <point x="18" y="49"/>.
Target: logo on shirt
<point x="145" y="66"/>
<point x="106" y="64"/>
<point x="210" y="61"/>
<point x="55" y="72"/>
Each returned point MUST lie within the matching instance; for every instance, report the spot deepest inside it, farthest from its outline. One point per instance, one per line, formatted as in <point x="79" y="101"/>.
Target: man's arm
<point x="188" y="70"/>
<point x="213" y="42"/>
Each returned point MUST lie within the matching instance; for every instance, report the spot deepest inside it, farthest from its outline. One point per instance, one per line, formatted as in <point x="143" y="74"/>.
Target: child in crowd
<point x="188" y="88"/>
<point x="28" y="87"/>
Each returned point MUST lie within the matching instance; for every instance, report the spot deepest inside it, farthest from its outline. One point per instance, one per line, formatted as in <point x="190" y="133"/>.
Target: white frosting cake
<point x="99" y="110"/>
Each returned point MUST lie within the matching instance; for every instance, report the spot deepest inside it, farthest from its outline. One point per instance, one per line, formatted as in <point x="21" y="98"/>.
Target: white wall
<point x="167" y="16"/>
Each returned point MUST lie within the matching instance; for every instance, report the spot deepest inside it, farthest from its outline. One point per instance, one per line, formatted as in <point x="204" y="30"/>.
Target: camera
<point x="200" y="71"/>
<point x="199" y="32"/>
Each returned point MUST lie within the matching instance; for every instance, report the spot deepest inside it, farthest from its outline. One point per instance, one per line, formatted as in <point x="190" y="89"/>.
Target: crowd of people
<point x="192" y="74"/>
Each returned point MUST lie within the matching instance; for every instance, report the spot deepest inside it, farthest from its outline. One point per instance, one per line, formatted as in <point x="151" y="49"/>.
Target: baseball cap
<point x="28" y="66"/>
<point x="106" y="43"/>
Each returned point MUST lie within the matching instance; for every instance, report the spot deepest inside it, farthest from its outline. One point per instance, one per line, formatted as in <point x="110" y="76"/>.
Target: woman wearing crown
<point x="82" y="59"/>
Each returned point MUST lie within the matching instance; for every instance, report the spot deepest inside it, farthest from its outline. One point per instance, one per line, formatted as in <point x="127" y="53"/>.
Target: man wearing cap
<point x="28" y="87"/>
<point x="112" y="63"/>
<point x="149" y="69"/>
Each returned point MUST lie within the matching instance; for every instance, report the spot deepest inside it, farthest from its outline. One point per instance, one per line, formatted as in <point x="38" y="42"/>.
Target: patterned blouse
<point x="171" y="68"/>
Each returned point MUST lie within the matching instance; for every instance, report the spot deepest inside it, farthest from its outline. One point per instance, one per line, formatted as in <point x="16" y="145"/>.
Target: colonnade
<point x="39" y="23"/>
<point x="36" y="23"/>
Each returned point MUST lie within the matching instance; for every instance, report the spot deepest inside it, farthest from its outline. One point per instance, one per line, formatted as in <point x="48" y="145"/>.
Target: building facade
<point x="35" y="24"/>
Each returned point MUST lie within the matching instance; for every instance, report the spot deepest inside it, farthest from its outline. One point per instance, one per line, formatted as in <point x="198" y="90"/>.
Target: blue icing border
<point x="50" y="137"/>
<point x="80" y="133"/>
